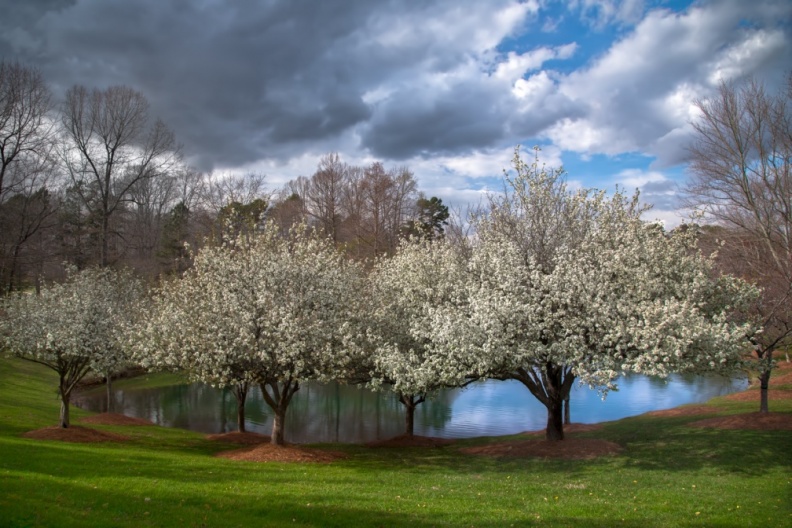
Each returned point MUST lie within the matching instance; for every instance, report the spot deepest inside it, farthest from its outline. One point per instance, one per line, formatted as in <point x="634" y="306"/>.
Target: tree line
<point x="350" y="274"/>
<point x="557" y="287"/>
<point x="96" y="180"/>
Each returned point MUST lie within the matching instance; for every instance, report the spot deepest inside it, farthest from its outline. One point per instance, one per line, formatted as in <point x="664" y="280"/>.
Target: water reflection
<point x="340" y="413"/>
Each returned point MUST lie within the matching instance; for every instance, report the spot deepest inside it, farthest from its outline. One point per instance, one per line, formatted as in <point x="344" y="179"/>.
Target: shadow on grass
<point x="57" y="502"/>
<point x="141" y="507"/>
<point x="651" y="443"/>
<point x="671" y="444"/>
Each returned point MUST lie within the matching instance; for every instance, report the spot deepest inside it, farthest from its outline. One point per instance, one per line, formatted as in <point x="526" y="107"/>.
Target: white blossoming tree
<point x="73" y="327"/>
<point x="405" y="289"/>
<point x="263" y="310"/>
<point x="574" y="286"/>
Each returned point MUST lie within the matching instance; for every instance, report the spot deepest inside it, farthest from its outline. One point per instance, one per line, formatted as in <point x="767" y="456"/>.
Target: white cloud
<point x="748" y="55"/>
<point x="484" y="163"/>
<point x="474" y="26"/>
<point x="534" y="90"/>
<point x="638" y="95"/>
<point x="670" y="218"/>
<point x="517" y="65"/>
<point x="600" y="13"/>
<point x="590" y="136"/>
<point x="380" y="93"/>
<point x="636" y="178"/>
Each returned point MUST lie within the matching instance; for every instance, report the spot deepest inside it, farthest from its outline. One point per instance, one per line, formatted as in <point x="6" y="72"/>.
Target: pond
<point x="340" y="413"/>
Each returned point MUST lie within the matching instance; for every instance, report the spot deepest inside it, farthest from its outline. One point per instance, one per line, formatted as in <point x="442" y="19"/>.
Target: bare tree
<point x="354" y="201"/>
<point x="323" y="195"/>
<point x="25" y="102"/>
<point x="110" y="143"/>
<point x="221" y="190"/>
<point x="179" y="225"/>
<point x="460" y="230"/>
<point x="741" y="180"/>
<point x="189" y="186"/>
<point x="150" y="200"/>
<point x="364" y="210"/>
<point x="287" y="211"/>
<point x="403" y="208"/>
<point x="230" y="197"/>
<point x="25" y="217"/>
<point x="26" y="171"/>
<point x="388" y="201"/>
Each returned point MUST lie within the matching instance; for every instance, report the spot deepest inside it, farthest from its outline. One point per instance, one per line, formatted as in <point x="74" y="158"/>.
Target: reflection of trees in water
<point x="704" y="386"/>
<point x="710" y="386"/>
<point x="655" y="382"/>
<point x="435" y="412"/>
<point x="334" y="412"/>
<point x="197" y="407"/>
<point x="193" y="407"/>
<point x="258" y="414"/>
<point x="341" y="413"/>
<point x="329" y="412"/>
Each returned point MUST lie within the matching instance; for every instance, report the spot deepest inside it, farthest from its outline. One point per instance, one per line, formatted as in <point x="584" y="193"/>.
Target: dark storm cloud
<point x="443" y="122"/>
<point x="239" y="81"/>
<point x="233" y="79"/>
<point x="17" y="18"/>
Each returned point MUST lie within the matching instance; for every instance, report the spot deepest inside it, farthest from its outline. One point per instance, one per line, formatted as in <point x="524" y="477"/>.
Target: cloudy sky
<point x="446" y="87"/>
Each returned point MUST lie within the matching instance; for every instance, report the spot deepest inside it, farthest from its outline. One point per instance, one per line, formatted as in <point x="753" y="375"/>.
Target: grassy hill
<point x="667" y="474"/>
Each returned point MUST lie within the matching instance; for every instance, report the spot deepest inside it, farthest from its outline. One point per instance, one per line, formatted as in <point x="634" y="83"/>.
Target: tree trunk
<point x="410" y="402"/>
<point x="409" y="419"/>
<point x="105" y="231"/>
<point x="109" y="384"/>
<point x="278" y="395"/>
<point x="64" y="410"/>
<point x="241" y="416"/>
<point x="764" y="380"/>
<point x="555" y="421"/>
<point x="240" y="393"/>
<point x="278" y="425"/>
<point x="12" y="269"/>
<point x="550" y="385"/>
<point x="567" y="414"/>
<point x="766" y="361"/>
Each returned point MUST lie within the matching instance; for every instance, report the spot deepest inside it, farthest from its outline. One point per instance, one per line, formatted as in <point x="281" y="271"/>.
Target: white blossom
<point x="405" y="289"/>
<point x="73" y="327"/>
<point x="574" y="286"/>
<point x="262" y="309"/>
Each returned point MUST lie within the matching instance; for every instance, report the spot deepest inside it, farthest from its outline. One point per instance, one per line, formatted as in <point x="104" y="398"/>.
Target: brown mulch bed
<point x="411" y="441"/>
<point x="782" y="374"/>
<point x="688" y="410"/>
<point x="235" y="437"/>
<point x="784" y="377"/>
<point x="569" y="448"/>
<point x="285" y="453"/>
<point x="753" y="395"/>
<point x="114" y="419"/>
<point x="761" y="421"/>
<point x="75" y="434"/>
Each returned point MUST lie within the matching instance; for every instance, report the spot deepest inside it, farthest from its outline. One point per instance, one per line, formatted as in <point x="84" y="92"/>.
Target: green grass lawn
<point x="668" y="474"/>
